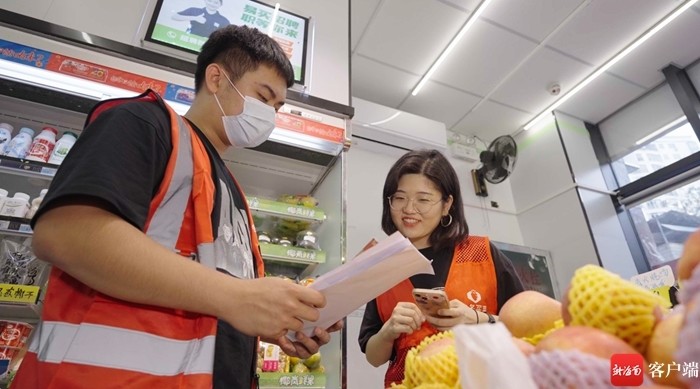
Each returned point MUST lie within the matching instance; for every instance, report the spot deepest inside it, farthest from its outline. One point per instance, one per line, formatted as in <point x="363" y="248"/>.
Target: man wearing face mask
<point x="157" y="277"/>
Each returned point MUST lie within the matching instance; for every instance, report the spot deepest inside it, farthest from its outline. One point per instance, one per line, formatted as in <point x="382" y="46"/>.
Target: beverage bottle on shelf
<point x="5" y="136"/>
<point x="3" y="196"/>
<point x="62" y="148"/>
<point x="36" y="203"/>
<point x="16" y="206"/>
<point x="19" y="145"/>
<point x="42" y="145"/>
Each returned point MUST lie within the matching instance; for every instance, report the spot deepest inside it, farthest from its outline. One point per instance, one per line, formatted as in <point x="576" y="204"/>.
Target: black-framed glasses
<point x="421" y="204"/>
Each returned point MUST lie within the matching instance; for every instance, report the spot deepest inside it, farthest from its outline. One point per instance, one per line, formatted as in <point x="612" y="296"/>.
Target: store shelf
<point x="15" y="226"/>
<point x="292" y="254"/>
<point x="20" y="167"/>
<point x="292" y="380"/>
<point x="265" y="207"/>
<point x="291" y="261"/>
<point x="29" y="313"/>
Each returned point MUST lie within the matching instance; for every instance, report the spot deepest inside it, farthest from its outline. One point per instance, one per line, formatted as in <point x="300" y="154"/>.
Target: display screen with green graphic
<point x="186" y="25"/>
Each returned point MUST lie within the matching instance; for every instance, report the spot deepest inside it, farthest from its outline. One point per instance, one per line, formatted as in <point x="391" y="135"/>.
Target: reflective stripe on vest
<point x="87" y="339"/>
<point x="472" y="268"/>
<point x="86" y="344"/>
<point x="166" y="222"/>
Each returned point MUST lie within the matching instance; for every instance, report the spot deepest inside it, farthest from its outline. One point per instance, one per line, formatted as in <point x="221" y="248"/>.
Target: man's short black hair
<point x="241" y="49"/>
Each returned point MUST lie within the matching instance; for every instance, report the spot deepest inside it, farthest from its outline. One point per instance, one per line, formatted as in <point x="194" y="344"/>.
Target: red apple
<point x="530" y="313"/>
<point x="586" y="339"/>
<point x="662" y="346"/>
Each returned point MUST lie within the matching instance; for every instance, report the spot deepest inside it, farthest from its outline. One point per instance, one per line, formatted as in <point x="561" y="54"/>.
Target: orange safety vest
<point x="86" y="339"/>
<point x="472" y="280"/>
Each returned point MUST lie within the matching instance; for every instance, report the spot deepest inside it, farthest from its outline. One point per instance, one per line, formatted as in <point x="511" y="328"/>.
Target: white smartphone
<point x="430" y="301"/>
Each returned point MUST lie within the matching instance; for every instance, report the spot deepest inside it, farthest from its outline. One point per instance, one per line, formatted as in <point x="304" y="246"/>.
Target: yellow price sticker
<point x="665" y="293"/>
<point x="11" y="293"/>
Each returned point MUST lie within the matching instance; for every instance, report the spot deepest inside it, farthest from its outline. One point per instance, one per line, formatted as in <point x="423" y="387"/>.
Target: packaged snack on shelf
<point x="273" y="358"/>
<point x="14" y="334"/>
<point x="307" y="239"/>
<point x="19" y="265"/>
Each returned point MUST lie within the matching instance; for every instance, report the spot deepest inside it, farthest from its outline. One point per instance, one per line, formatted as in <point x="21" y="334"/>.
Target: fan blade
<point x="496" y="175"/>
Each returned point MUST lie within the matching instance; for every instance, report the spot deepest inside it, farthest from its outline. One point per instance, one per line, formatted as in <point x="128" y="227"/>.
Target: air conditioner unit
<point x="397" y="128"/>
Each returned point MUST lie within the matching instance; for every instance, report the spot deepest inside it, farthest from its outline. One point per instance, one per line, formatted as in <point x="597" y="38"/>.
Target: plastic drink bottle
<point x="5" y="136"/>
<point x="42" y="145"/>
<point x="36" y="203"/>
<point x="17" y="206"/>
<point x="3" y="196"/>
<point x="19" y="145"/>
<point x="62" y="148"/>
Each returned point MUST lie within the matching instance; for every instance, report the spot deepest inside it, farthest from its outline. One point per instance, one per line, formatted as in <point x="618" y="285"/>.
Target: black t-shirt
<point x="212" y="21"/>
<point x="508" y="284"/>
<point x="120" y="160"/>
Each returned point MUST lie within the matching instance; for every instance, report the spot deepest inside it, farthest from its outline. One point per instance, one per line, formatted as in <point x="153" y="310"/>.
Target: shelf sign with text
<point x="11" y="293"/>
<point x="187" y="24"/>
<point x="662" y="276"/>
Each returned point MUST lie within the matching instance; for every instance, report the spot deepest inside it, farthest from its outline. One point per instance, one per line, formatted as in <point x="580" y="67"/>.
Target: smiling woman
<point x="422" y="200"/>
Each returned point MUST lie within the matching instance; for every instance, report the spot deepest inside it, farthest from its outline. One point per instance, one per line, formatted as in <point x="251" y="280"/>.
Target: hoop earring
<point x="448" y="223"/>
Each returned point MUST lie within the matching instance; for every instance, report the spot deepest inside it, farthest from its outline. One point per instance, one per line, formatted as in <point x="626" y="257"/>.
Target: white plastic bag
<point x="488" y="358"/>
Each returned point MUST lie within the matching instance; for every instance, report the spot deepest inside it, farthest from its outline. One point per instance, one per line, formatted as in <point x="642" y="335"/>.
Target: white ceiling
<point x="496" y="79"/>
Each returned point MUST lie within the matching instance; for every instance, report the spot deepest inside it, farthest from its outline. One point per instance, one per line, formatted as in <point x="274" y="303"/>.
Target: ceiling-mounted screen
<point x="186" y="24"/>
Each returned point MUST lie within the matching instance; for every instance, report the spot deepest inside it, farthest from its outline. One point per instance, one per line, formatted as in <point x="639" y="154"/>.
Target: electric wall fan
<point x="497" y="163"/>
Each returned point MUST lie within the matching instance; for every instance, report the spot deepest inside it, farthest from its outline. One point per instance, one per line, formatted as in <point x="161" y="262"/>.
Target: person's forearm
<point x="378" y="349"/>
<point x="111" y="256"/>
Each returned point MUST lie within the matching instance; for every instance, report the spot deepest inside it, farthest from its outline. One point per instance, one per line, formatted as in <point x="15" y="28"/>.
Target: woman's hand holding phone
<point x="431" y="301"/>
<point x="456" y="313"/>
<point x="405" y="318"/>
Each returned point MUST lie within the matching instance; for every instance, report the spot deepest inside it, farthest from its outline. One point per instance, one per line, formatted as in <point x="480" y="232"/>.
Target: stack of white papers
<point x="371" y="273"/>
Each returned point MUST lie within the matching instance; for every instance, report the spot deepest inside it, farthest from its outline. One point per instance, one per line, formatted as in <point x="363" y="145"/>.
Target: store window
<point x="652" y="155"/>
<point x="664" y="222"/>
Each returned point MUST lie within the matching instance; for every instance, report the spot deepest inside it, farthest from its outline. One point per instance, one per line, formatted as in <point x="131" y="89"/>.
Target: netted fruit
<point x="434" y="362"/>
<point x="571" y="369"/>
<point x="601" y="299"/>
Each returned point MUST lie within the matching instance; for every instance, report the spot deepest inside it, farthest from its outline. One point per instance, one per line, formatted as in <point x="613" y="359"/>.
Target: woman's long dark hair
<point x="433" y="165"/>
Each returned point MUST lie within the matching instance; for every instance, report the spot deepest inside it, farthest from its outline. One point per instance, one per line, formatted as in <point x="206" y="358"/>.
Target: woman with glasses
<point x="422" y="200"/>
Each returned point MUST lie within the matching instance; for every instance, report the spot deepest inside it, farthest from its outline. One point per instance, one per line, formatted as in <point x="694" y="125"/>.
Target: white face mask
<point x="251" y="127"/>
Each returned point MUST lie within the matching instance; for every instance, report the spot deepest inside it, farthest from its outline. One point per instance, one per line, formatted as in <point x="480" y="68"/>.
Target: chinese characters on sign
<point x="301" y="254"/>
<point x="308" y="212"/>
<point x="260" y="17"/>
<point x="296" y="380"/>
<point x="19" y="293"/>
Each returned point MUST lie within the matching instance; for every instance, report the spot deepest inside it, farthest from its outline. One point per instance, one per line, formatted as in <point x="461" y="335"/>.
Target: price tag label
<point x="48" y="171"/>
<point x="11" y="293"/>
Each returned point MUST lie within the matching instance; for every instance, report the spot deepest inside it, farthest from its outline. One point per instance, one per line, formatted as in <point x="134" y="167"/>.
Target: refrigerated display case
<point x="48" y="77"/>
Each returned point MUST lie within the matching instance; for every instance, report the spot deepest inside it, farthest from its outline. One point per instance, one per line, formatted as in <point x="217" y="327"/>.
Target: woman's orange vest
<point x="472" y="280"/>
<point x="89" y="340"/>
